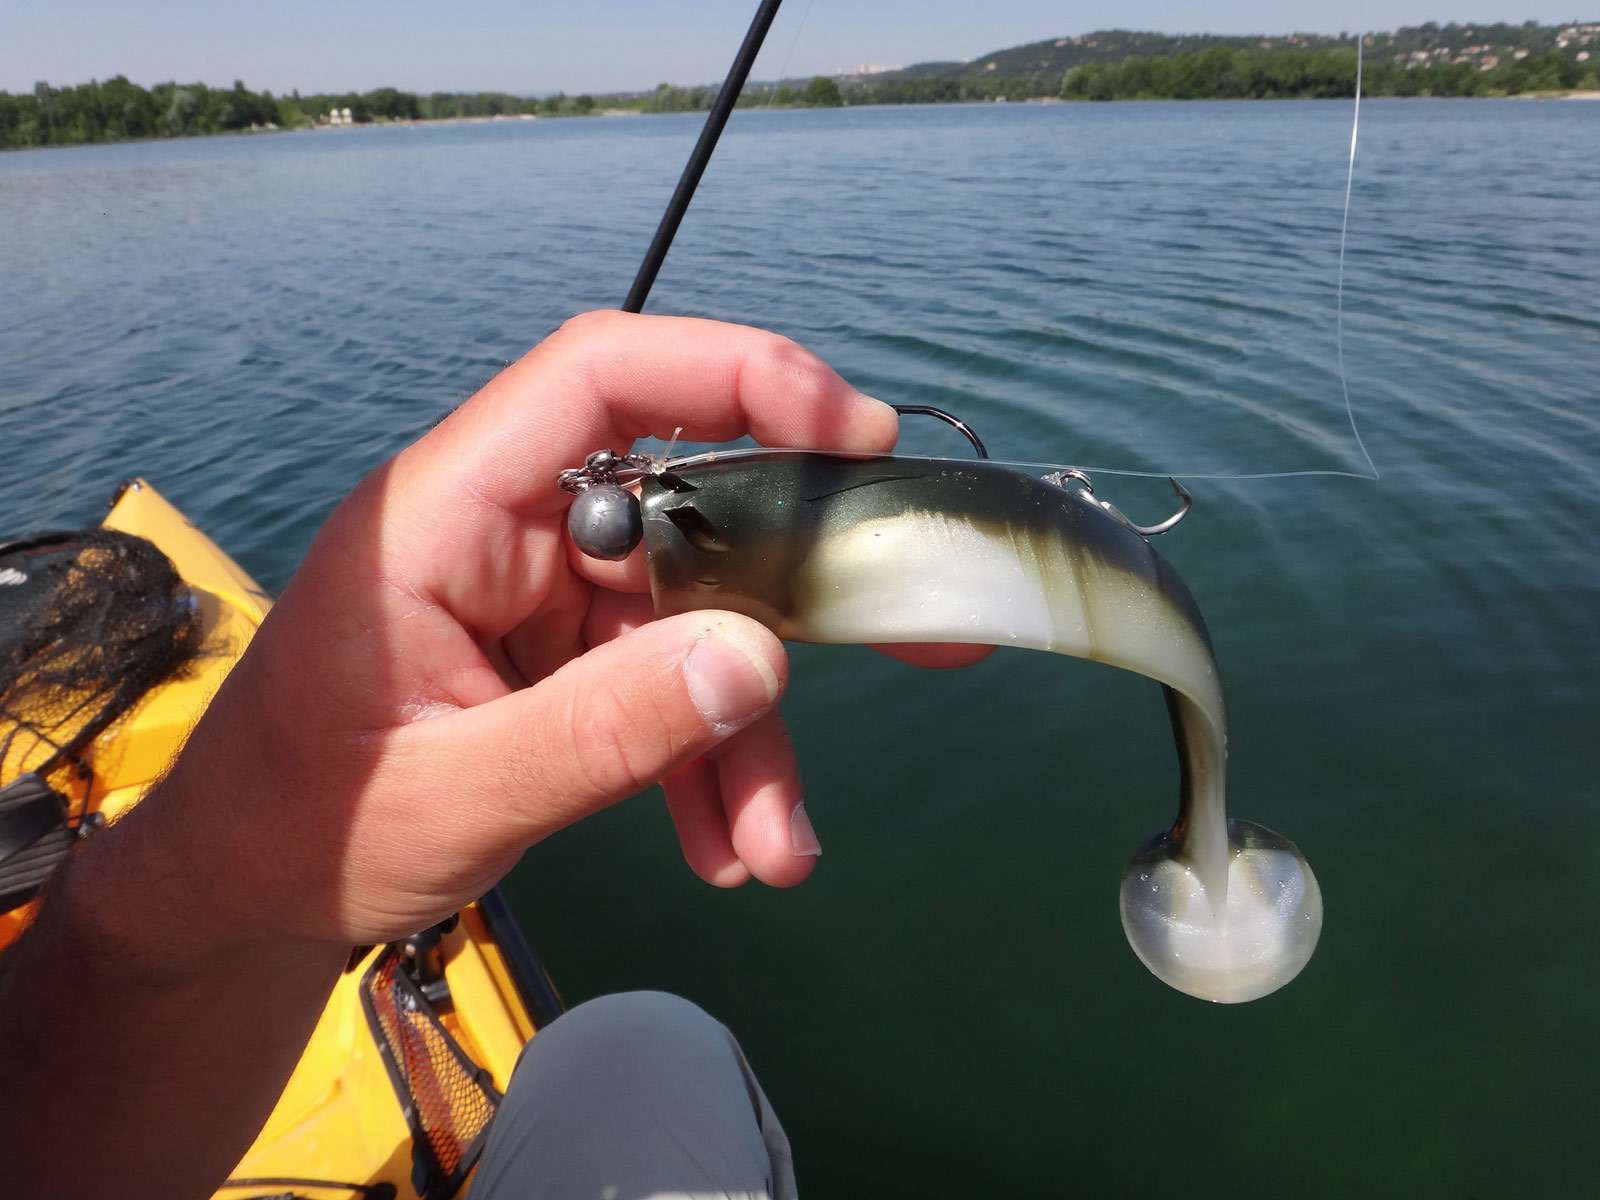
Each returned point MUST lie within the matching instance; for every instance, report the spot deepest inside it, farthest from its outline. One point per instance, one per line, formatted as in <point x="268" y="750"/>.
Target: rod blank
<point x="696" y="166"/>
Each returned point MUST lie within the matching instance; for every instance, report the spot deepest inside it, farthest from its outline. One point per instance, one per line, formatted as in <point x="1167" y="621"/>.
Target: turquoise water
<point x="949" y="1005"/>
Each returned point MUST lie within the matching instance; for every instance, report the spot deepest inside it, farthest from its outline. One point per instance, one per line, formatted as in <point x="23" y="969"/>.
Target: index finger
<point x="606" y="378"/>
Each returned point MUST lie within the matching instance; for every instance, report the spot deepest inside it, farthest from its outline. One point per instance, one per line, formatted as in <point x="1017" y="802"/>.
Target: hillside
<point x="1059" y="55"/>
<point x="1429" y="44"/>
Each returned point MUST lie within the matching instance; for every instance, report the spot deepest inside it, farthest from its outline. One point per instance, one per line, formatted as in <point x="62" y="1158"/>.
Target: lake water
<point x="949" y="1006"/>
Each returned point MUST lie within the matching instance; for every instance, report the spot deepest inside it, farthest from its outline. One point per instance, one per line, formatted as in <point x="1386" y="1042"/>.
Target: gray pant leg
<point x="640" y="1096"/>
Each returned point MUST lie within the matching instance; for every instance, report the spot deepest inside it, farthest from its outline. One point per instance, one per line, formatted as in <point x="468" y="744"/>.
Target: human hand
<point x="447" y="680"/>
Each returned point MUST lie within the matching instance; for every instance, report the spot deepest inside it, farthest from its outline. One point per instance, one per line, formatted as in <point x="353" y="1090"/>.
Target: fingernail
<point x="803" y="838"/>
<point x="729" y="679"/>
<point x="881" y="428"/>
<point x="873" y="400"/>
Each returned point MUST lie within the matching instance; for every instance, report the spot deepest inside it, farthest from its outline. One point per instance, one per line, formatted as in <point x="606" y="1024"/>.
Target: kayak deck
<point x="339" y="1119"/>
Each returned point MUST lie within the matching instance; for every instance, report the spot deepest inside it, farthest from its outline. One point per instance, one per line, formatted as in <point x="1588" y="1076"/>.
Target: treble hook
<point x="1162" y="526"/>
<point x="928" y="410"/>
<point x="1074" y="475"/>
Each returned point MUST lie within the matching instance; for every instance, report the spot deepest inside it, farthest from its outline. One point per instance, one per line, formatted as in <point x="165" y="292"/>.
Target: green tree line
<point x="952" y="89"/>
<point x="820" y="92"/>
<point x="1105" y="46"/>
<point x="1222" y="74"/>
<point x="116" y="110"/>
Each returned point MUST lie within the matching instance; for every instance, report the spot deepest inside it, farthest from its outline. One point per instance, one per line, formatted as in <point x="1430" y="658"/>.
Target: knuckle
<point x="578" y="334"/>
<point x="620" y="741"/>
<point x="585" y="324"/>
<point x="786" y="356"/>
<point x="804" y="376"/>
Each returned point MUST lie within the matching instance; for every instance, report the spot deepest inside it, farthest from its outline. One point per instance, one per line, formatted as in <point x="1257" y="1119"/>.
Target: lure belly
<point x="840" y="549"/>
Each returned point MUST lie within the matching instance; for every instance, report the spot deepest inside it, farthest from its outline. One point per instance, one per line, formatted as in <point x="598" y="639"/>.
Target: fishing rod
<point x="701" y="155"/>
<point x="721" y="110"/>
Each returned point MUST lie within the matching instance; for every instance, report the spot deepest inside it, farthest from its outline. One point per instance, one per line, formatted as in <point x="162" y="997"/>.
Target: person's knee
<point x="643" y="1092"/>
<point x="637" y="1005"/>
<point x="646" y="1011"/>
<point x="618" y="1041"/>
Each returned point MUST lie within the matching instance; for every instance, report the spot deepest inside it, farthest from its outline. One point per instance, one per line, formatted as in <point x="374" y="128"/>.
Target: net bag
<point x="448" y="1100"/>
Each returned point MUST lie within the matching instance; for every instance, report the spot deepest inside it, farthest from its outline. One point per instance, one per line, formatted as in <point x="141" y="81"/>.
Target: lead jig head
<point x="604" y="521"/>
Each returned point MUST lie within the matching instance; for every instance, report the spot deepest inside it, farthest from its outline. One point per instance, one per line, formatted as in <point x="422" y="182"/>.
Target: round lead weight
<point x="604" y="522"/>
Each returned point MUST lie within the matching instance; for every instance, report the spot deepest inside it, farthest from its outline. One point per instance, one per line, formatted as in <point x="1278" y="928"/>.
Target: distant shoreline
<point x="1580" y="94"/>
<point x="1488" y="60"/>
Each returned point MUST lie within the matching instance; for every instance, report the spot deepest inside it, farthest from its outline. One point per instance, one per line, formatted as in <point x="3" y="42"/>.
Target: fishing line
<point x="1371" y="473"/>
<point x="1344" y="233"/>
<point x="788" y="58"/>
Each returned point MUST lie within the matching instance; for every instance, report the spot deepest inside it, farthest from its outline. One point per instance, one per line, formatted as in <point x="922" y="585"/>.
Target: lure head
<point x="733" y="533"/>
<point x="604" y="522"/>
<point x="1237" y="947"/>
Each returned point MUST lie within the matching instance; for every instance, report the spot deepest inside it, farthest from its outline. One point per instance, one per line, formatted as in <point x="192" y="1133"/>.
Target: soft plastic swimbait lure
<point x="842" y="549"/>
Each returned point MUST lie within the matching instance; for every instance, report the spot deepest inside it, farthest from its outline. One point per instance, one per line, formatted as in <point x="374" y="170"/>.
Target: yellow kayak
<point x="397" y="1084"/>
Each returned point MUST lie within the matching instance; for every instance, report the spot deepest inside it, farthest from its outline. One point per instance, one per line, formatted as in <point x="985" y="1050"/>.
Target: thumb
<point x="612" y="722"/>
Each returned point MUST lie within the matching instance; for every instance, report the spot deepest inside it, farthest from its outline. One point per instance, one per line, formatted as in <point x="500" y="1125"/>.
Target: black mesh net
<point x="448" y="1100"/>
<point x="89" y="622"/>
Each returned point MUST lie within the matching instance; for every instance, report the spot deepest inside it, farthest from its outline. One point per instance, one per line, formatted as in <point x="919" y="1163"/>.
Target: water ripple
<point x="255" y="322"/>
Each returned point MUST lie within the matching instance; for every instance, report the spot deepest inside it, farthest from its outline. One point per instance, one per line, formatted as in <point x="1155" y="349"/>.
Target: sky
<point x="534" y="46"/>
